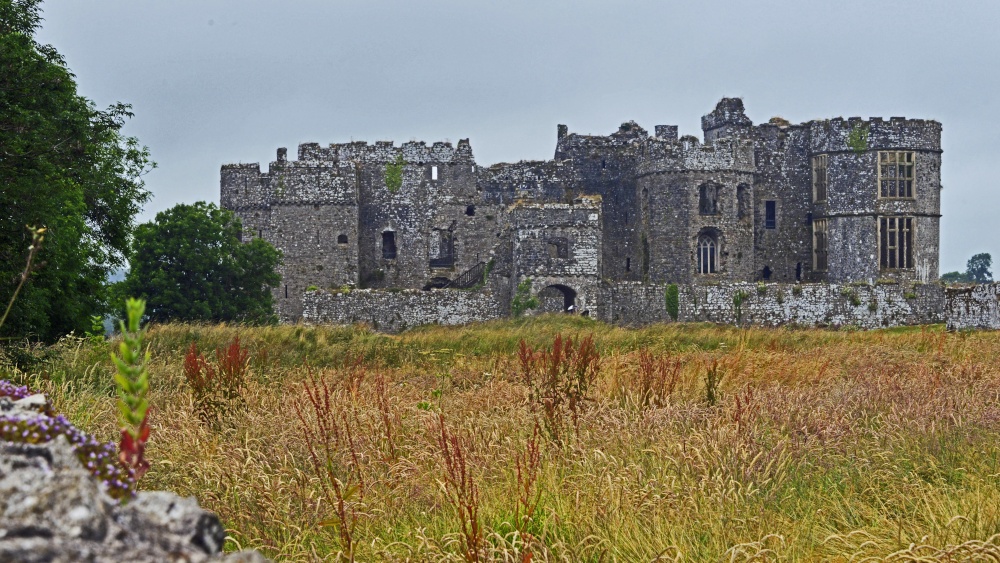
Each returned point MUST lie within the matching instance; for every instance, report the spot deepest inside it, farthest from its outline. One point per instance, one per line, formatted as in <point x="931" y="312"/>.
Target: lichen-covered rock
<point x="53" y="510"/>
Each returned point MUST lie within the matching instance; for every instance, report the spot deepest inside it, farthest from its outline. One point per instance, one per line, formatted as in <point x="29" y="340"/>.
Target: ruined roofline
<point x="380" y="152"/>
<point x="892" y="122"/>
<point x="580" y="202"/>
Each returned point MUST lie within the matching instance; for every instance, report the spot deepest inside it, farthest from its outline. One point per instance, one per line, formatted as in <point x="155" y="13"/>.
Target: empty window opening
<point x="434" y="172"/>
<point x="770" y="214"/>
<point x="316" y="206"/>
<point x="896" y="243"/>
<point x="766" y="273"/>
<point x="604" y="164"/>
<point x="286" y="292"/>
<point x="708" y="199"/>
<point x="820" y="245"/>
<point x="260" y="233"/>
<point x="628" y="264"/>
<point x="442" y="248"/>
<point x="341" y="239"/>
<point x="470" y="210"/>
<point x="558" y="247"/>
<point x="389" y="245"/>
<point x="895" y="174"/>
<point x="798" y="271"/>
<point x="708" y="254"/>
<point x="819" y="163"/>
<point x="742" y="201"/>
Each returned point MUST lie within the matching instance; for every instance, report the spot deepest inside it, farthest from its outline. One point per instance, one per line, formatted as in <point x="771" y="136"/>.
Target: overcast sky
<point x="214" y="82"/>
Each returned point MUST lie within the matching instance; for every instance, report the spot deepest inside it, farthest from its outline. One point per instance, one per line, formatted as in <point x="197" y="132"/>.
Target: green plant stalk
<point x="132" y="376"/>
<point x="37" y="237"/>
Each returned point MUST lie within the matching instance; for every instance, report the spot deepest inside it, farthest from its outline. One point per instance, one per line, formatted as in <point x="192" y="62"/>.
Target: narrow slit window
<point x="770" y="214"/>
<point x="434" y="172"/>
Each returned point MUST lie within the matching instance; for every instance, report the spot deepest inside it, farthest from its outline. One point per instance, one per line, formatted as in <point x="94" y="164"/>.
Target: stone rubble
<point x="53" y="511"/>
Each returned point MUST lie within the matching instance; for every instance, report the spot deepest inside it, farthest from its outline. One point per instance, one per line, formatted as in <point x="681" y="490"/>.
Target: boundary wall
<point x="395" y="311"/>
<point x="774" y="304"/>
<point x="634" y="304"/>
<point x="974" y="307"/>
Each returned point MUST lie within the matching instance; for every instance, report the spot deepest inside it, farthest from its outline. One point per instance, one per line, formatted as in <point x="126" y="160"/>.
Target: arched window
<point x="341" y="239"/>
<point x="708" y="254"/>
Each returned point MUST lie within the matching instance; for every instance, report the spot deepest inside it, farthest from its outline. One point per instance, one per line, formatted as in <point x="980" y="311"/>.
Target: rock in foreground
<point x="54" y="510"/>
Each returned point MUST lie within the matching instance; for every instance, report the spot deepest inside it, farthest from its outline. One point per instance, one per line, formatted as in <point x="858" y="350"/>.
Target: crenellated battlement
<point x="831" y="135"/>
<point x="382" y="152"/>
<point x="687" y="155"/>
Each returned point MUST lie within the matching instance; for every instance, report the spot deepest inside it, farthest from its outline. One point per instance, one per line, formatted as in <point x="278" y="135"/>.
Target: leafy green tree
<point x="977" y="269"/>
<point x="954" y="277"/>
<point x="65" y="166"/>
<point x="189" y="265"/>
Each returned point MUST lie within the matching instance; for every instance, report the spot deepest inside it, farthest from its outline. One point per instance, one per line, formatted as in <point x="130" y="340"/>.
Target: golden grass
<point x="822" y="445"/>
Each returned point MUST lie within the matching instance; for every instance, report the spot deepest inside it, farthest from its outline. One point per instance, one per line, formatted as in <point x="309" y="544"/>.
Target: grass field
<point x="679" y="442"/>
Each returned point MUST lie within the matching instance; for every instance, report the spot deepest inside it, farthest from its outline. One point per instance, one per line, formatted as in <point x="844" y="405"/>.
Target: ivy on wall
<point x="394" y="174"/>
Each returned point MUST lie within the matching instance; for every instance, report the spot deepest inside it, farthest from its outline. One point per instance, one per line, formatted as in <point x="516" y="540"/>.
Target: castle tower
<point x="876" y="193"/>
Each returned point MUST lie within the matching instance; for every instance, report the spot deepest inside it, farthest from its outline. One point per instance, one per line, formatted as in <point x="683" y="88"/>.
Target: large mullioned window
<point x="895" y="174"/>
<point x="895" y="235"/>
<point x="819" y="177"/>
<point x="820" y="245"/>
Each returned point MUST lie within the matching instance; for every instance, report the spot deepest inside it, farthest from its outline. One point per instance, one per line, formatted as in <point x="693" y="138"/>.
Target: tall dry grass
<point x="801" y="445"/>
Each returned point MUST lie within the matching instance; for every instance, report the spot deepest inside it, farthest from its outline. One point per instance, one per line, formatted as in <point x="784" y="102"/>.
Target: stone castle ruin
<point x="400" y="235"/>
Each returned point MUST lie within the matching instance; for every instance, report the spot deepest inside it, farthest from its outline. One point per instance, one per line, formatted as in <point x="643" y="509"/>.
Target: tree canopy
<point x="977" y="270"/>
<point x="189" y="265"/>
<point x="66" y="166"/>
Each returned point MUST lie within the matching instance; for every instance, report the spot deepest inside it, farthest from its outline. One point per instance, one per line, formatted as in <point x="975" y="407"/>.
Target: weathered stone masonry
<point x="839" y="201"/>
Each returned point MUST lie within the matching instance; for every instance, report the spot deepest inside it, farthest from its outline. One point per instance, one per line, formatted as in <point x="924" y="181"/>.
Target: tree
<point x="189" y="265"/>
<point x="953" y="277"/>
<point x="977" y="269"/>
<point x="66" y="166"/>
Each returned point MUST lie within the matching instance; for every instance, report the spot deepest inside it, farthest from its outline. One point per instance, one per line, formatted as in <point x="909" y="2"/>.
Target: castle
<point x="835" y="201"/>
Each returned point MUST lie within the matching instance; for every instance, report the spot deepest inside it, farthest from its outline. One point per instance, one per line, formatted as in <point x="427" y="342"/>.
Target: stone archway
<point x="556" y="298"/>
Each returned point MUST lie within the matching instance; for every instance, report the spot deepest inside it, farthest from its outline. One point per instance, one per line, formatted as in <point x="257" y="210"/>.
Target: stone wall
<point x="635" y="304"/>
<point x="394" y="311"/>
<point x="773" y="304"/>
<point x="974" y="307"/>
